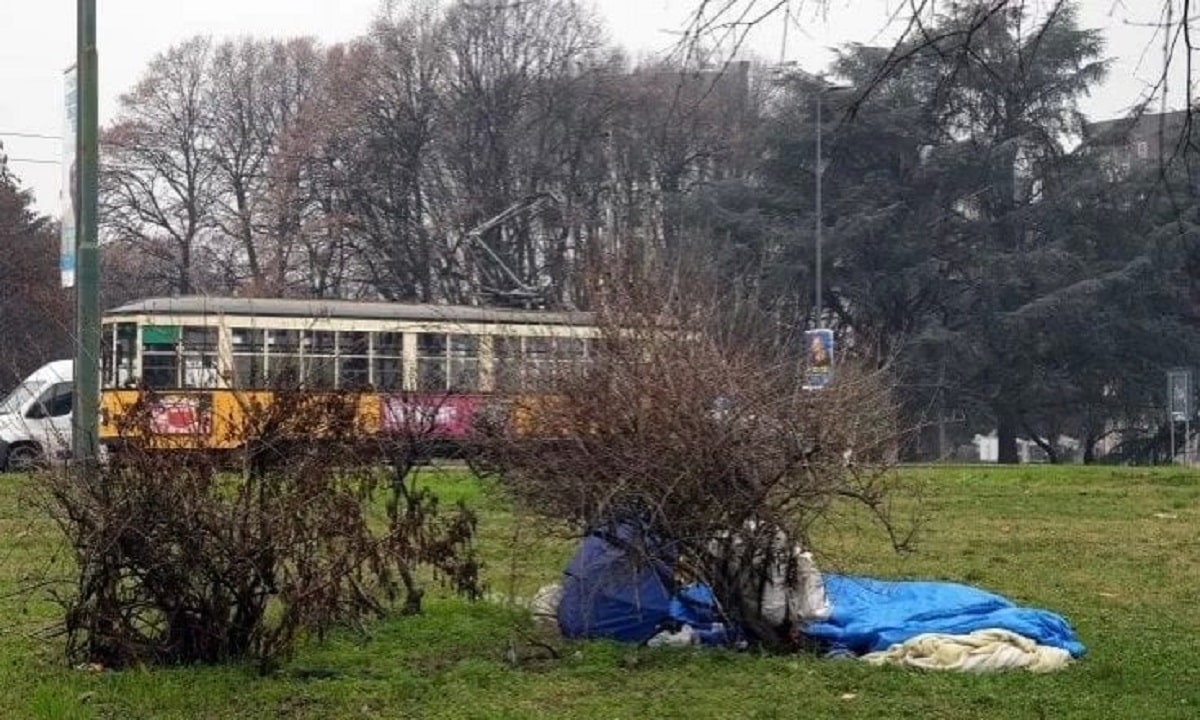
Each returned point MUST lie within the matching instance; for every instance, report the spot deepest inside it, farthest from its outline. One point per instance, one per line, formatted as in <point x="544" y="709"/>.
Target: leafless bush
<point x="691" y="422"/>
<point x="179" y="562"/>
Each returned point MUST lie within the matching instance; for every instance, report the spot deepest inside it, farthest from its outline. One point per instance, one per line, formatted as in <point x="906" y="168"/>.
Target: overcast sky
<point x="37" y="42"/>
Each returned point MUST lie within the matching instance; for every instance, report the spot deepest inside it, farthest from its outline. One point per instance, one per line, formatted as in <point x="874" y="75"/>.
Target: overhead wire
<point x="29" y="135"/>
<point x="26" y="135"/>
<point x="34" y="161"/>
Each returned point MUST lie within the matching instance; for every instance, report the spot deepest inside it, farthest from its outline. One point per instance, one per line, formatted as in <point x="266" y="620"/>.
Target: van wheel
<point x="23" y="458"/>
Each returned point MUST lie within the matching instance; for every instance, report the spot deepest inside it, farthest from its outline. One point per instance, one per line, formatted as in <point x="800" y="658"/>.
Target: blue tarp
<point x="620" y="585"/>
<point x="609" y="591"/>
<point x="694" y="605"/>
<point x="870" y="615"/>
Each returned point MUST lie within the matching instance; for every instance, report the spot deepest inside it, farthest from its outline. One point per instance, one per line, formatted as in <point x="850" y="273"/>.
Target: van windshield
<point x="19" y="396"/>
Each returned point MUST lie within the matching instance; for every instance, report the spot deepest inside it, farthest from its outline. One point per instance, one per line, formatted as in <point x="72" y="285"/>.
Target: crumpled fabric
<point x="780" y="583"/>
<point x="544" y="605"/>
<point x="981" y="651"/>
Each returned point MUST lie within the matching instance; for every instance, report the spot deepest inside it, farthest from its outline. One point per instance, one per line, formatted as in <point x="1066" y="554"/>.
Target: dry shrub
<point x="179" y="562"/>
<point x="690" y="423"/>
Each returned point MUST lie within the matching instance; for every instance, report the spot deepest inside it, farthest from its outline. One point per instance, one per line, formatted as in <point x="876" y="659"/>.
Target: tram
<point x="193" y="365"/>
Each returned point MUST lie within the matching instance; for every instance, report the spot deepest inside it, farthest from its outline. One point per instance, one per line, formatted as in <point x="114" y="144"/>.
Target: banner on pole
<point x="818" y="370"/>
<point x="69" y="196"/>
<point x="1179" y="395"/>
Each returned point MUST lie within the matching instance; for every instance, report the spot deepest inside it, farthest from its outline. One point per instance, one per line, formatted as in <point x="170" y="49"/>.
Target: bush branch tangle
<point x="690" y="423"/>
<point x="179" y="562"/>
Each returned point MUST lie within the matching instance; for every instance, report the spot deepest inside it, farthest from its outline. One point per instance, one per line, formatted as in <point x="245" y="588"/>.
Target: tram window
<point x="249" y="369"/>
<point x="284" y="341"/>
<point x="464" y="363"/>
<point x="160" y="356"/>
<point x="199" y="350"/>
<point x="353" y="357"/>
<point x="389" y="361"/>
<point x="320" y="342"/>
<point x="106" y="355"/>
<point x="319" y="359"/>
<point x="431" y="362"/>
<point x="570" y="354"/>
<point x="283" y="358"/>
<point x="539" y="360"/>
<point x="506" y="352"/>
<point x="125" y="352"/>
<point x="570" y="348"/>
<point x="319" y="372"/>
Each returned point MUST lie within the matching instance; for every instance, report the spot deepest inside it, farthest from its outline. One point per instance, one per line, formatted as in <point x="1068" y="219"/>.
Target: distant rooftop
<point x="1123" y="130"/>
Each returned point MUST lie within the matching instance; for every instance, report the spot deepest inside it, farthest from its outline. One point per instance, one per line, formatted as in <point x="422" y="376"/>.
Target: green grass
<point x="1115" y="550"/>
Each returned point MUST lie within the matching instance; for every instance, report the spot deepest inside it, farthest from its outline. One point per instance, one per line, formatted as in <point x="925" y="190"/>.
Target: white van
<point x="35" y="418"/>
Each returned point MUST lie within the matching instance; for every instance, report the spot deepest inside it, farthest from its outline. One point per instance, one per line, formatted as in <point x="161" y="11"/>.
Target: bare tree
<point x="512" y="65"/>
<point x="386" y="151"/>
<point x="259" y="89"/>
<point x="316" y="167"/>
<point x="361" y="169"/>
<point x="681" y="128"/>
<point x="157" y="171"/>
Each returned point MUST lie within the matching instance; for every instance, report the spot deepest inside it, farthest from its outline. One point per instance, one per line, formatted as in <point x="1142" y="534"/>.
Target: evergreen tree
<point x="35" y="316"/>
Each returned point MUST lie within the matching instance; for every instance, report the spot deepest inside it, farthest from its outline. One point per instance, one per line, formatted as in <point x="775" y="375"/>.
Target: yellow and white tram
<point x="196" y="363"/>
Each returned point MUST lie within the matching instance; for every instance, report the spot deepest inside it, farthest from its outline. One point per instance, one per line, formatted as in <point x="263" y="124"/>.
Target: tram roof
<point x="345" y="309"/>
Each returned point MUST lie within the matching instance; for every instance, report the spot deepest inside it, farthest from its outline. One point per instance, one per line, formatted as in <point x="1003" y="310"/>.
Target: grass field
<point x="1112" y="549"/>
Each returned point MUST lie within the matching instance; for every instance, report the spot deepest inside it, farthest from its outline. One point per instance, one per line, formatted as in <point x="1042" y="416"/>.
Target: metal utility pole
<point x="822" y="87"/>
<point x="85" y="441"/>
<point x="819" y="87"/>
<point x="1179" y="409"/>
<point x="819" y="171"/>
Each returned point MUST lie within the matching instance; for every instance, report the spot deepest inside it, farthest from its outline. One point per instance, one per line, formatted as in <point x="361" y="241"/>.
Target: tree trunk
<point x="1045" y="445"/>
<point x="1006" y="434"/>
<point x="1089" y="447"/>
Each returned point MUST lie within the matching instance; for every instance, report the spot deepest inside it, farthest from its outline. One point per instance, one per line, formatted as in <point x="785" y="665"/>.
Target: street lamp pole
<point x="818" y="170"/>
<point x="84" y="440"/>
<point x="819" y="86"/>
<point x="822" y="87"/>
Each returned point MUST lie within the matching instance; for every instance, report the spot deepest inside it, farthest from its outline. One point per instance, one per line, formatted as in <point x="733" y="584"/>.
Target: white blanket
<point x="980" y="651"/>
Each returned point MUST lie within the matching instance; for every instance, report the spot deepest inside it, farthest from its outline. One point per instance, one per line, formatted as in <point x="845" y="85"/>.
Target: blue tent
<point x="619" y="585"/>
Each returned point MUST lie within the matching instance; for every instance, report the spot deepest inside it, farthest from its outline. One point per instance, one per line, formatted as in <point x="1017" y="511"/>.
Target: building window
<point x="1142" y="149"/>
